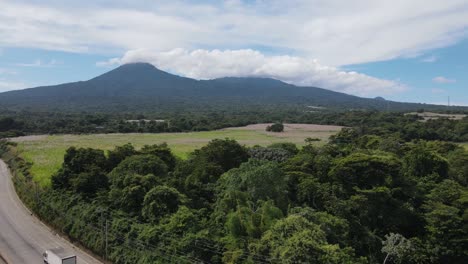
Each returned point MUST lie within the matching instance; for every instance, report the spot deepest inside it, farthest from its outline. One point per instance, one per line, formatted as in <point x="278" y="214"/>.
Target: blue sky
<point x="402" y="50"/>
<point x="419" y="73"/>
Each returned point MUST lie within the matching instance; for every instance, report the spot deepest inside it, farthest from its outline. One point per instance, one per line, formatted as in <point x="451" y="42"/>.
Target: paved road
<point x="23" y="238"/>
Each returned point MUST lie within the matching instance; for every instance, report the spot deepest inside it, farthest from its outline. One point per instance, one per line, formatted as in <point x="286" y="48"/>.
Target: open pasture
<point x="46" y="151"/>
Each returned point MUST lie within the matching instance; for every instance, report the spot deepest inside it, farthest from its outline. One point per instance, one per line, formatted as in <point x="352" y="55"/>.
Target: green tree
<point x="160" y="201"/>
<point x="445" y="215"/>
<point x="271" y="154"/>
<point x="198" y="180"/>
<point x="365" y="171"/>
<point x="396" y="247"/>
<point x="79" y="160"/>
<point x="294" y="239"/>
<point x="420" y="162"/>
<point x="312" y="192"/>
<point x="89" y="182"/>
<point x="252" y="220"/>
<point x="345" y="136"/>
<point x="226" y="153"/>
<point x="127" y="190"/>
<point x="198" y="175"/>
<point x="288" y="146"/>
<point x="163" y="152"/>
<point x="90" y="163"/>
<point x="141" y="164"/>
<point x="458" y="169"/>
<point x="120" y="153"/>
<point x="276" y="127"/>
<point x="262" y="180"/>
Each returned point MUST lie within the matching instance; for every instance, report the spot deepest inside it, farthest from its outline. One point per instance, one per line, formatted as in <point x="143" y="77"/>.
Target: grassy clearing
<point x="46" y="152"/>
<point x="430" y="115"/>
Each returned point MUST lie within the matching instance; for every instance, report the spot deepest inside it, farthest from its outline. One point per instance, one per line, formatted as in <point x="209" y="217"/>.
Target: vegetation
<point x="46" y="152"/>
<point x="140" y="87"/>
<point x="407" y="127"/>
<point x="465" y="145"/>
<point x="388" y="188"/>
<point x="276" y="127"/>
<point x="381" y="192"/>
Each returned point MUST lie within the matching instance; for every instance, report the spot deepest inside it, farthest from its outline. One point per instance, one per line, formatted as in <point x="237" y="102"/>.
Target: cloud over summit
<point x="305" y="42"/>
<point x="210" y="64"/>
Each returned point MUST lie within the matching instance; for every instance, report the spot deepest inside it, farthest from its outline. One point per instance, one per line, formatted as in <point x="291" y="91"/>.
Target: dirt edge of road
<point x="2" y="259"/>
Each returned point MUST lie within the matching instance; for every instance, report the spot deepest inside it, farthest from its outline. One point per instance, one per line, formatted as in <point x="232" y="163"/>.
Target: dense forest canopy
<point x="387" y="189"/>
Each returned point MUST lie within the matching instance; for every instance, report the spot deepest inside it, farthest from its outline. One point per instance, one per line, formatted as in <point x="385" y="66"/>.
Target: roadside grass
<point x="46" y="152"/>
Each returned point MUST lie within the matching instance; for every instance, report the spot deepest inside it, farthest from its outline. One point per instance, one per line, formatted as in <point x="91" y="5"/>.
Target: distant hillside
<point x="143" y="87"/>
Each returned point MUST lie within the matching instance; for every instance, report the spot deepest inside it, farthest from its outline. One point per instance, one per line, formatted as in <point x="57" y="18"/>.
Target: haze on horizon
<point x="400" y="50"/>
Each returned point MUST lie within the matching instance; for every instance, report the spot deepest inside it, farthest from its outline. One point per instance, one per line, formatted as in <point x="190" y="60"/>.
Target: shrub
<point x="276" y="127"/>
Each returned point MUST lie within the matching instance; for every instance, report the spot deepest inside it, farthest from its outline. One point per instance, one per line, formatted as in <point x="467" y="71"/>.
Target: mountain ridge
<point x="142" y="86"/>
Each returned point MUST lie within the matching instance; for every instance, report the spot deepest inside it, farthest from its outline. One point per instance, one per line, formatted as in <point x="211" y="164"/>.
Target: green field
<point x="46" y="152"/>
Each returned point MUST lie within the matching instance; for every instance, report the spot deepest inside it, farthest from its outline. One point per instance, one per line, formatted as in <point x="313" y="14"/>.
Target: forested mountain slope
<point x="144" y="88"/>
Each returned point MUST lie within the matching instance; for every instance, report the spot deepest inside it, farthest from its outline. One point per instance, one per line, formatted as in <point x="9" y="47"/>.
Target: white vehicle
<point x="58" y="256"/>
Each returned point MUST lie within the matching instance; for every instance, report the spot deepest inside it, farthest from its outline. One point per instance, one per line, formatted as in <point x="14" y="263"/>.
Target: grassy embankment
<point x="46" y="152"/>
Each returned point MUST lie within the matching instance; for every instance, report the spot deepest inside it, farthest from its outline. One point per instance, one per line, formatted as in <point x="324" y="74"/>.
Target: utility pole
<point x="107" y="239"/>
<point x="36" y="192"/>
<point x="104" y="232"/>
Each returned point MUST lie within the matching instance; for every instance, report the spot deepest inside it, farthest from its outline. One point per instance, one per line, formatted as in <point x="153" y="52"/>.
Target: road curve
<point x="23" y="238"/>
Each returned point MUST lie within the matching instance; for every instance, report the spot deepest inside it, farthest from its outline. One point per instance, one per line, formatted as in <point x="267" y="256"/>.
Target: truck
<point x="58" y="256"/>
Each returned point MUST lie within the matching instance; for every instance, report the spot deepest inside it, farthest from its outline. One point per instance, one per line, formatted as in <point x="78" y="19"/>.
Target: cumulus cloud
<point x="335" y="32"/>
<point x="442" y="79"/>
<point x="209" y="64"/>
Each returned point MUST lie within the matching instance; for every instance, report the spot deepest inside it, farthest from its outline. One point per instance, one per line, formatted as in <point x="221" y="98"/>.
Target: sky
<point x="402" y="50"/>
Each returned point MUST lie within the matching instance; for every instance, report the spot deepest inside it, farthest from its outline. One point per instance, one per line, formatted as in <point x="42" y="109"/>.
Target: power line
<point x="68" y="217"/>
<point x="200" y="244"/>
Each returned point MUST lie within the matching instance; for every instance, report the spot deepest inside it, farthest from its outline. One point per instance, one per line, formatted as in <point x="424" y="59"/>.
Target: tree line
<point x="407" y="127"/>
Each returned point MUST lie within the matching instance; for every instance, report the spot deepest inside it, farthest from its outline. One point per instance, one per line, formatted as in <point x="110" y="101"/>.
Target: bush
<point x="271" y="154"/>
<point x="276" y="127"/>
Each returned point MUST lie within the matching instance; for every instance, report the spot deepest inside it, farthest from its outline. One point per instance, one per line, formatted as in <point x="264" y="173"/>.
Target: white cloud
<point x="40" y="63"/>
<point x="430" y="59"/>
<point x="109" y="63"/>
<point x="209" y="64"/>
<point x="335" y="32"/>
<point x="6" y="85"/>
<point x="4" y="71"/>
<point x="442" y="79"/>
<point x="438" y="91"/>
